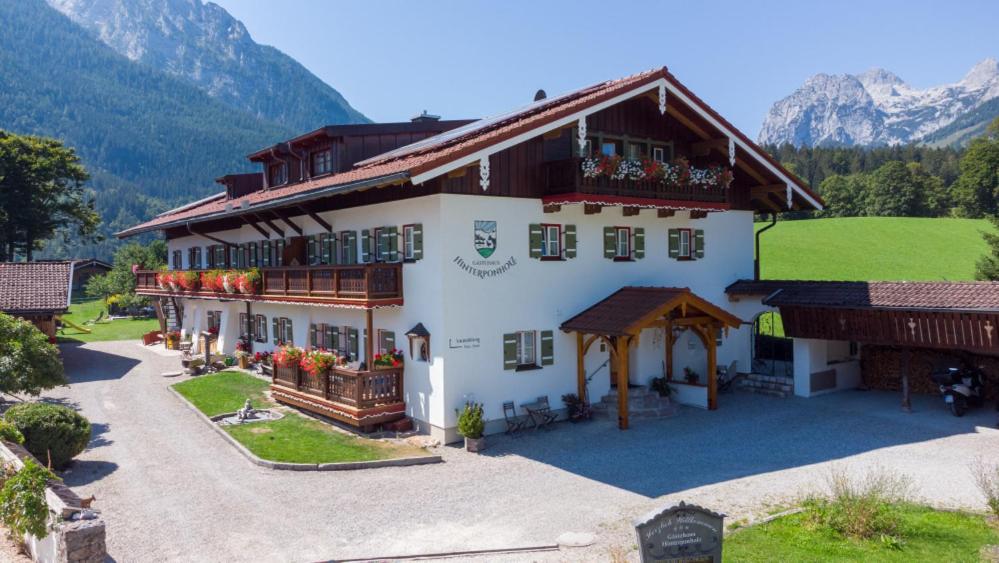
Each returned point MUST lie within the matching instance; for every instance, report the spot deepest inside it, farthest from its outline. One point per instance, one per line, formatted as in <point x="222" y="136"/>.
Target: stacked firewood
<point x="881" y="367"/>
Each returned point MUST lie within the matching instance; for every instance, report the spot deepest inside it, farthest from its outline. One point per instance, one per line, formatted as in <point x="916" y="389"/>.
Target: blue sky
<point x="392" y="59"/>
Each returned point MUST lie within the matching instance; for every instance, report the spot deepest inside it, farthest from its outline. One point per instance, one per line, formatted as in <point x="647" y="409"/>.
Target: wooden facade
<point x="971" y="332"/>
<point x="359" y="398"/>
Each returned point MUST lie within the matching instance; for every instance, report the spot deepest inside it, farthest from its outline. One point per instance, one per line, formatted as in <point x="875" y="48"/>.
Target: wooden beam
<point x="712" y="347"/>
<point x="762" y="190"/>
<point x="270" y="224"/>
<point x="698" y="214"/>
<point x="703" y="148"/>
<point x="591" y="208"/>
<point x="259" y="229"/>
<point x="700" y="132"/>
<point x="765" y="200"/>
<point x="580" y="368"/>
<point x="322" y="222"/>
<point x="552" y="208"/>
<point x="630" y="211"/>
<point x="906" y="403"/>
<point x="287" y="221"/>
<point x="458" y="172"/>
<point x="665" y="213"/>
<point x="668" y="344"/>
<point x="369" y="351"/>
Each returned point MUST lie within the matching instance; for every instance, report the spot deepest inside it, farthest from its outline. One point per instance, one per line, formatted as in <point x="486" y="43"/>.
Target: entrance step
<point x="642" y="403"/>
<point x="772" y="385"/>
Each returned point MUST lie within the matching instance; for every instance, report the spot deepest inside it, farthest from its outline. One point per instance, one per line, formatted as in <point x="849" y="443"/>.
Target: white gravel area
<point x="172" y="490"/>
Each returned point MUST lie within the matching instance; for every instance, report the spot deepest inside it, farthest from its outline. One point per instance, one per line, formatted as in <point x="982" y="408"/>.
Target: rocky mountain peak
<point x="982" y="74"/>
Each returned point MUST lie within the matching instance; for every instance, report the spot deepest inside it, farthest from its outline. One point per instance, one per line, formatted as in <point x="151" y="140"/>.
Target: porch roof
<point x="630" y="309"/>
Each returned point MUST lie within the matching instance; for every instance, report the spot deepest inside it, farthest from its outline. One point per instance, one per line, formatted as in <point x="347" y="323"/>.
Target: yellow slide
<point x="70" y="323"/>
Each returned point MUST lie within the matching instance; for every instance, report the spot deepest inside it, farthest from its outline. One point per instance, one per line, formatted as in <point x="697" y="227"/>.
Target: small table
<point x="538" y="413"/>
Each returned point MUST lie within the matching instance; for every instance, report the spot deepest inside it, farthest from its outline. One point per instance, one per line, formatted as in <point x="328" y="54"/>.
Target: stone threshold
<point x="286" y="466"/>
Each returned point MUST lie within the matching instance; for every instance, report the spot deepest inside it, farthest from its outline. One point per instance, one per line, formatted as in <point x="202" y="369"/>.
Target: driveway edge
<point x="284" y="466"/>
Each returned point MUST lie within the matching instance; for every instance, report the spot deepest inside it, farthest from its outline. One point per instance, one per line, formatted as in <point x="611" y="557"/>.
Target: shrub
<point x="470" y="421"/>
<point x="51" y="432"/>
<point x="987" y="478"/>
<point x="22" y="501"/>
<point x="10" y="433"/>
<point x="28" y="362"/>
<point x="661" y="386"/>
<point x="862" y="508"/>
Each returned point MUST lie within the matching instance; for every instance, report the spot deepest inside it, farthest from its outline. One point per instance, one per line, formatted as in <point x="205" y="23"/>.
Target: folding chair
<point x="514" y="423"/>
<point x="547" y="414"/>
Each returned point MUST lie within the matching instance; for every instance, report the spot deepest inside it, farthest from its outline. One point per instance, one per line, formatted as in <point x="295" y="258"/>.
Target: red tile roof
<point x="430" y="153"/>
<point x="625" y="310"/>
<point x="35" y="286"/>
<point x="958" y="296"/>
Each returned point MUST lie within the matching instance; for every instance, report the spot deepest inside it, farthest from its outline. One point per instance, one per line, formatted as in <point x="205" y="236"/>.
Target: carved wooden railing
<point x="359" y="282"/>
<point x="359" y="389"/>
<point x="566" y="177"/>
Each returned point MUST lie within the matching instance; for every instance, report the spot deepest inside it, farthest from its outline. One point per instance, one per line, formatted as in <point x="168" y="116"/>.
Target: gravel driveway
<point x="173" y="490"/>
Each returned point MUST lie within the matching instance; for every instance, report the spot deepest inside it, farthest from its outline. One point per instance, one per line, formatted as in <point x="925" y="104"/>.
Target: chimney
<point x="540" y="95"/>
<point x="424" y="117"/>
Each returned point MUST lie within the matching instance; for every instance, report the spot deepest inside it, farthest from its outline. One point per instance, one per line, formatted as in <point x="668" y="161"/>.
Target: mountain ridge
<point x="877" y="108"/>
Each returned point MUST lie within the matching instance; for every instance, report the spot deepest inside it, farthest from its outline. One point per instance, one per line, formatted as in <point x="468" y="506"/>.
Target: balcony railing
<point x="360" y="398"/>
<point x="563" y="177"/>
<point x="361" y="283"/>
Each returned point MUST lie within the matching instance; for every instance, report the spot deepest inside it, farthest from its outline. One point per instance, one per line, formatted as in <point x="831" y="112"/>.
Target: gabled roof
<point x="465" y="145"/>
<point x="35" y="287"/>
<point x="630" y="309"/>
<point x="950" y="296"/>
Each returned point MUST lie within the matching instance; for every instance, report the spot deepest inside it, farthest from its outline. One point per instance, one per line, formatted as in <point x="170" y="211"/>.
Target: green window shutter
<point x="352" y="344"/>
<point x="313" y="337"/>
<point x="381" y="245"/>
<point x="331" y="334"/>
<point x="324" y="243"/>
<point x="417" y="242"/>
<point x="674" y="243"/>
<point x="334" y="242"/>
<point x="639" y="246"/>
<point x="365" y="246"/>
<point x="699" y="243"/>
<point x="547" y="347"/>
<point x="510" y="351"/>
<point x="570" y="241"/>
<point x="312" y="249"/>
<point x="279" y="252"/>
<point x="534" y="240"/>
<point x="352" y="247"/>
<point x="389" y="338"/>
<point x="275" y="333"/>
<point x="610" y="242"/>
<point x="393" y="244"/>
<point x="266" y="251"/>
<point x="289" y="335"/>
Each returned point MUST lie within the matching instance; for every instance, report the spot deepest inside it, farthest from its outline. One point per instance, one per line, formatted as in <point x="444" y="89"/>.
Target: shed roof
<point x="35" y="287"/>
<point x="630" y="309"/>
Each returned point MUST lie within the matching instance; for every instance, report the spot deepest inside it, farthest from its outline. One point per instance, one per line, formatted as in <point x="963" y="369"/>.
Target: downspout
<point x="756" y="260"/>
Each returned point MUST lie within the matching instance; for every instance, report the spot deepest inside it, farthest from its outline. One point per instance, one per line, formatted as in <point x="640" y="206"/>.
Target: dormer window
<point x="277" y="174"/>
<point x="322" y="162"/>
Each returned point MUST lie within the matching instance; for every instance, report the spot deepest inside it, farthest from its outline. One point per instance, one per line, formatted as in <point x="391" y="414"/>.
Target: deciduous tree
<point x="29" y="364"/>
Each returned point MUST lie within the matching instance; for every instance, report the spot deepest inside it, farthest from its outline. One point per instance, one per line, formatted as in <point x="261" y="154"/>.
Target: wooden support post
<point x="668" y="344"/>
<point x="580" y="368"/>
<point x="709" y="341"/>
<point x="698" y="214"/>
<point x="906" y="403"/>
<point x="665" y="213"/>
<point x="552" y="208"/>
<point x="630" y="211"/>
<point x="592" y="208"/>
<point x="622" y="382"/>
<point x="369" y="352"/>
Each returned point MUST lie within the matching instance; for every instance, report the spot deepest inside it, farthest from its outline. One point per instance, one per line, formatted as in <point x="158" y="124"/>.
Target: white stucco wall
<point x="468" y="315"/>
<point x="814" y="355"/>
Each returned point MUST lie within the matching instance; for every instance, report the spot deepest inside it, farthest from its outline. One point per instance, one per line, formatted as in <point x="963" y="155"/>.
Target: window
<point x="622" y="247"/>
<point x="214" y="321"/>
<point x="636" y="151"/>
<point x="177" y="263"/>
<point x="194" y="258"/>
<point x="684" y="249"/>
<point x="551" y="241"/>
<point x="659" y="154"/>
<point x="409" y="242"/>
<point x="245" y="328"/>
<point x="386" y="341"/>
<point x="381" y="245"/>
<point x="587" y="149"/>
<point x="278" y="174"/>
<point x="347" y="247"/>
<point x="608" y="148"/>
<point x="526" y="352"/>
<point x="322" y="162"/>
<point x="260" y="328"/>
<point x="284" y="333"/>
<point x="324" y="337"/>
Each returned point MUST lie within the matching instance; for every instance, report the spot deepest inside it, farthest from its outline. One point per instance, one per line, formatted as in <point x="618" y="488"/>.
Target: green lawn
<point x="121" y="329"/>
<point x="873" y="248"/>
<point x="929" y="535"/>
<point x="294" y="438"/>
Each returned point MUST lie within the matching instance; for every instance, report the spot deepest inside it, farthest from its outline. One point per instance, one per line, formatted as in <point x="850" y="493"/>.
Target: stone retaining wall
<point x="881" y="369"/>
<point x="76" y="535"/>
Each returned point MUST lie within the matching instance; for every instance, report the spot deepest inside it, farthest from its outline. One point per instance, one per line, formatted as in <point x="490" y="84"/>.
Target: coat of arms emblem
<point x="485" y="238"/>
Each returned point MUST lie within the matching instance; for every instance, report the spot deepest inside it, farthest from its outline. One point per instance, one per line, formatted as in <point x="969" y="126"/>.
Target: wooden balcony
<point x="565" y="183"/>
<point x="359" y="398"/>
<point x="365" y="285"/>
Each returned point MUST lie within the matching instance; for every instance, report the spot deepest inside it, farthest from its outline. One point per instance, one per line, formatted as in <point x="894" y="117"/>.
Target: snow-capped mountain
<point x="203" y="43"/>
<point x="879" y="108"/>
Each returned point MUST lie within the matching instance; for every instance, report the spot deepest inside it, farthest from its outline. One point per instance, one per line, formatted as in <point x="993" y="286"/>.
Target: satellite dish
<point x="540" y="95"/>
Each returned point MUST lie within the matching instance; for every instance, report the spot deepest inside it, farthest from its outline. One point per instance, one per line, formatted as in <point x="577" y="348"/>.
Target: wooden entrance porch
<point x="619" y="319"/>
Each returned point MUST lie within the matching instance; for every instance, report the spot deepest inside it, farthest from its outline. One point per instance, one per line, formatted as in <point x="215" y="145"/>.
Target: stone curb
<point x="279" y="465"/>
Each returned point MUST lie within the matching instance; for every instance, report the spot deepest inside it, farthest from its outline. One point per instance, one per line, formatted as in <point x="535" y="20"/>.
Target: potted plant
<point x="690" y="376"/>
<point x="286" y="360"/>
<point x="208" y="280"/>
<point x="472" y="425"/>
<point x="172" y="339"/>
<point x="317" y="362"/>
<point x="161" y="278"/>
<point x="247" y="282"/>
<point x="229" y="281"/>
<point x="188" y="280"/>
<point x="577" y="408"/>
<point x="243" y="353"/>
<point x="661" y="386"/>
<point x="391" y="359"/>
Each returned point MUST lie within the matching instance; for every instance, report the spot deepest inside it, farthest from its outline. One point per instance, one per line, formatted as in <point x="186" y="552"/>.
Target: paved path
<point x="173" y="490"/>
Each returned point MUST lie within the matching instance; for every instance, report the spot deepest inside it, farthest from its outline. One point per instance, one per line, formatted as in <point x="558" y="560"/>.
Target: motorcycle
<point x="961" y="388"/>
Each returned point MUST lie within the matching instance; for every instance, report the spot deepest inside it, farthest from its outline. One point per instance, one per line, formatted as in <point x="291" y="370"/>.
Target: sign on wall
<point x="681" y="533"/>
<point x="485" y="241"/>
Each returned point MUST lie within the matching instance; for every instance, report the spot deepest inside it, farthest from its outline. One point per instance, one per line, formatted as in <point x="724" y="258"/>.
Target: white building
<point x="488" y="235"/>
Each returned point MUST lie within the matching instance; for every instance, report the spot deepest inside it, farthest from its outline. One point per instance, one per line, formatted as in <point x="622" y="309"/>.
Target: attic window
<point x="322" y="162"/>
<point x="278" y="174"/>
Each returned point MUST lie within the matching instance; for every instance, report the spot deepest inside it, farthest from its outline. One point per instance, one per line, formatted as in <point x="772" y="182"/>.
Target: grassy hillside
<point x="873" y="248"/>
